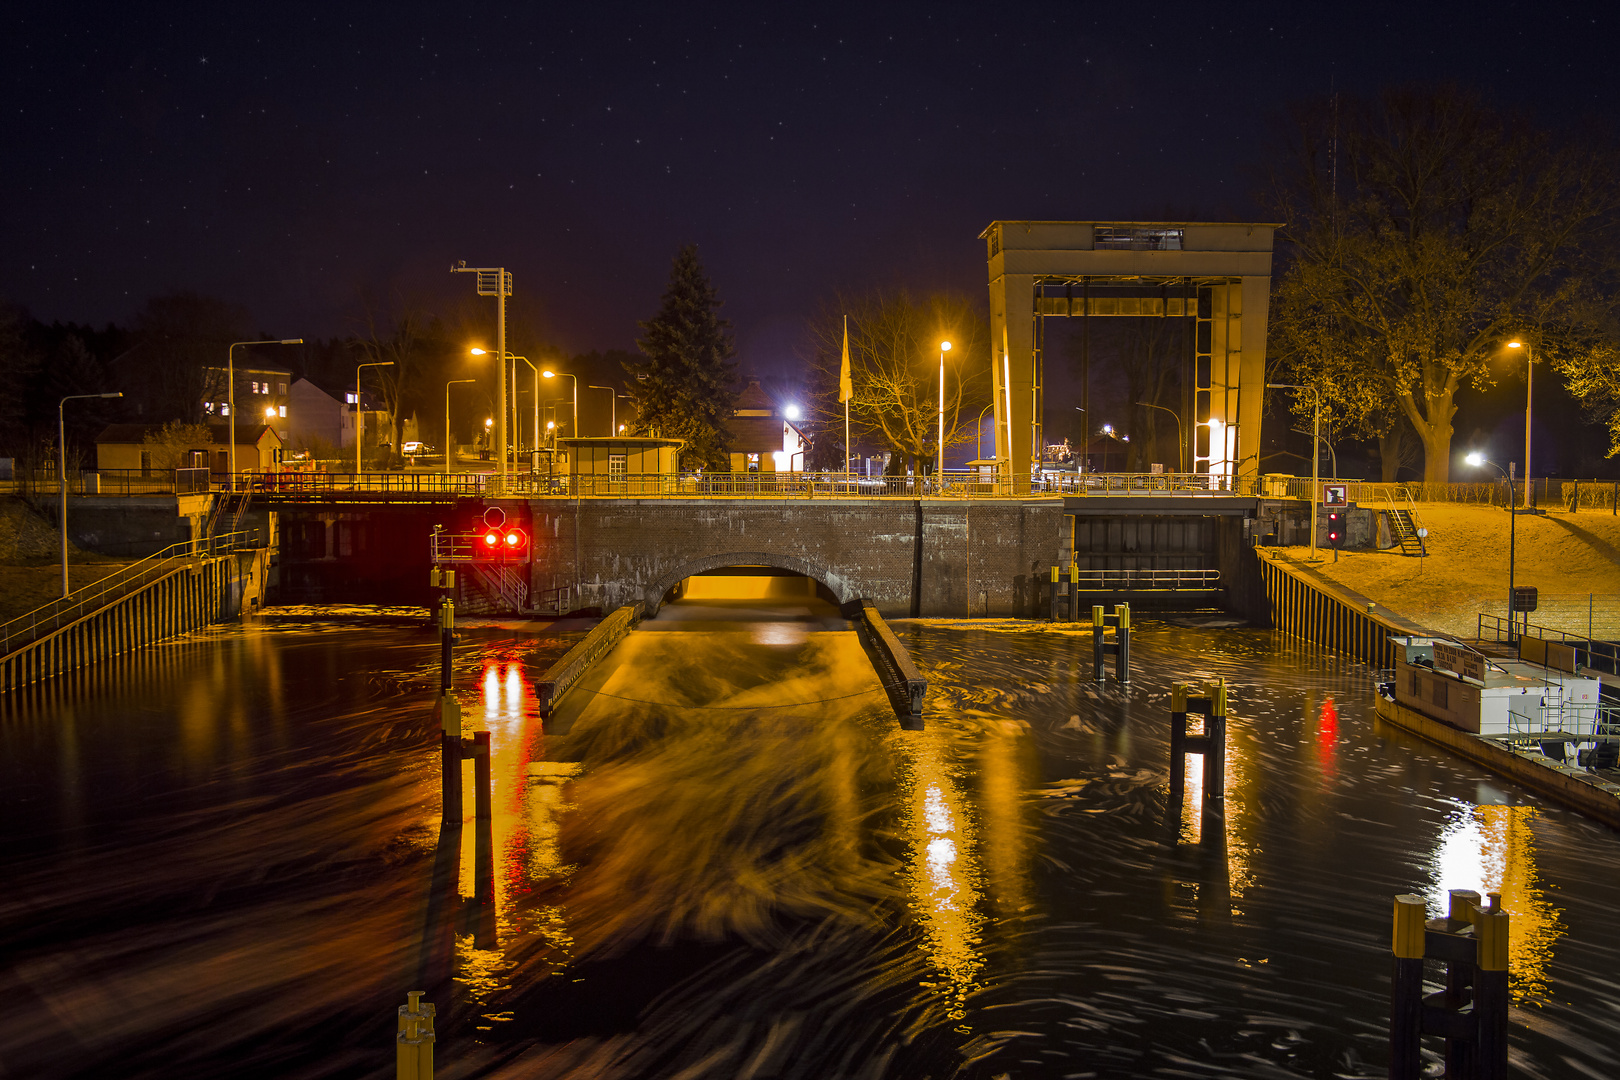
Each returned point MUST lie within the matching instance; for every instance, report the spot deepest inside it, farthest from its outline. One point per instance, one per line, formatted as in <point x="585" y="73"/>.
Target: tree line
<point x="1422" y="229"/>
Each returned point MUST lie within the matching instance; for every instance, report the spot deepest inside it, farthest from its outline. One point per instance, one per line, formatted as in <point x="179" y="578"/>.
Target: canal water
<point x="223" y="857"/>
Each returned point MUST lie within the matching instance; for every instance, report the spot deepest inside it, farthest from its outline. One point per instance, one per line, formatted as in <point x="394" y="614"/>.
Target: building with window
<point x="124" y="447"/>
<point x="262" y="396"/>
<point x="764" y="436"/>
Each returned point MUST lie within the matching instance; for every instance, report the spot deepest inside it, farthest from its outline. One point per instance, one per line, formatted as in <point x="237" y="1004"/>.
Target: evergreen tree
<point x="685" y="387"/>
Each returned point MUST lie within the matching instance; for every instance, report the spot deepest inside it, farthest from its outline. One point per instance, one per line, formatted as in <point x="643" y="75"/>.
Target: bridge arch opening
<point x="746" y="576"/>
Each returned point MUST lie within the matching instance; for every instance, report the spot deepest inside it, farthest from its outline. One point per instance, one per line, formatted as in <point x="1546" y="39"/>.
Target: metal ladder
<point x="1404" y="525"/>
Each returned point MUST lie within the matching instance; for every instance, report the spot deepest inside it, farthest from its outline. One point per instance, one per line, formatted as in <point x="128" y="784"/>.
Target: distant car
<point x="414" y="447"/>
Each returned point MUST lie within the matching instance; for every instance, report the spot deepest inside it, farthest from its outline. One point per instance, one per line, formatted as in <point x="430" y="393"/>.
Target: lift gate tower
<point x="1214" y="277"/>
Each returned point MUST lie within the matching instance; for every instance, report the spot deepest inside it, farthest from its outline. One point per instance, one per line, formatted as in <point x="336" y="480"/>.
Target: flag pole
<point x="846" y="390"/>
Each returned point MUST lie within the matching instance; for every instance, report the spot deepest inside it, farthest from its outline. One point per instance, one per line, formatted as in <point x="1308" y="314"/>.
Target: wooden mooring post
<point x="1066" y="604"/>
<point x="413" y="1042"/>
<point x="1471" y="1012"/>
<point x="1119" y="647"/>
<point x="1209" y="702"/>
<point x="454" y="746"/>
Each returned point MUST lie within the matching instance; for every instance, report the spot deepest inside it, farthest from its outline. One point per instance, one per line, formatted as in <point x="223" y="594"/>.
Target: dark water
<point x="723" y="859"/>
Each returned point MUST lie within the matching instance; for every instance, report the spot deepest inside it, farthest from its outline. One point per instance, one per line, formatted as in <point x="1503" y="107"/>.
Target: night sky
<point x="285" y="158"/>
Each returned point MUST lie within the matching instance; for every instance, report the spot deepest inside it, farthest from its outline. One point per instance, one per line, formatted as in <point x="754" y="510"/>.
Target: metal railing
<point x="954" y="484"/>
<point x="81" y="602"/>
<point x="1562" y="721"/>
<point x="1147" y="579"/>
<point x="1590" y="652"/>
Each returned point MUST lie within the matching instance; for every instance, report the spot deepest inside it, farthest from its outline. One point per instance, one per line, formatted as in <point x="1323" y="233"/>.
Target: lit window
<point x="283" y="411"/>
<point x="350" y="398"/>
<point x="208" y="407"/>
<point x="224" y="409"/>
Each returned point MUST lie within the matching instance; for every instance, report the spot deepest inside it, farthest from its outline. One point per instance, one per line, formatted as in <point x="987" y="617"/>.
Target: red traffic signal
<point x="1335" y="529"/>
<point x="503" y="542"/>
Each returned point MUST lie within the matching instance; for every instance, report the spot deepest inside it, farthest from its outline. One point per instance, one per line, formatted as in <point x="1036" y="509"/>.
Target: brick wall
<point x="909" y="558"/>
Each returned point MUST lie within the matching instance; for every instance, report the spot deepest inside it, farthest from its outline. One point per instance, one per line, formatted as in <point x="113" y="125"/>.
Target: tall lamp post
<point x="944" y="347"/>
<point x="230" y="389"/>
<point x="496" y="282"/>
<point x="1476" y="460"/>
<point x="1316" y="455"/>
<point x="61" y="468"/>
<point x="1529" y="372"/>
<point x="518" y="441"/>
<point x="1181" y="444"/>
<point x="613" y="408"/>
<point x="447" y="440"/>
<point x="548" y="373"/>
<point x="360" y="414"/>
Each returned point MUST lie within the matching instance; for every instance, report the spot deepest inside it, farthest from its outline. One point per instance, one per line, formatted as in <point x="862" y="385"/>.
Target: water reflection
<point x="727" y="861"/>
<point x="1493" y="849"/>
<point x="942" y="874"/>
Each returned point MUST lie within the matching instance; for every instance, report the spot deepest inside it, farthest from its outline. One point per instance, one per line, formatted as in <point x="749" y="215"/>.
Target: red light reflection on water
<point x="1327" y="738"/>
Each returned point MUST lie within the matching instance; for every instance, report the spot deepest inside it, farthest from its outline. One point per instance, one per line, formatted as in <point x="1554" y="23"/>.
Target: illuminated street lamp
<point x="1529" y="370"/>
<point x="1477" y="459"/>
<point x="447" y="387"/>
<point x="360" y="414"/>
<point x="548" y="373"/>
<point x="61" y="468"/>
<point x="944" y="347"/>
<point x="518" y="440"/>
<point x="230" y="389"/>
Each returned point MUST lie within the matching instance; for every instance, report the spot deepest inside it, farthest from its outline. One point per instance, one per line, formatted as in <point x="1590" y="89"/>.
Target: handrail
<point x="76" y="605"/>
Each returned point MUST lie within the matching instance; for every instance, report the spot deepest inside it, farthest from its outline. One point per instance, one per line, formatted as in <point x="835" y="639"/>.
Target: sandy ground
<point x="1568" y="557"/>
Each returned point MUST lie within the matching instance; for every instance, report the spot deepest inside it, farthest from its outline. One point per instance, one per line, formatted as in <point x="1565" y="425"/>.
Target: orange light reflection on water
<point x="525" y="805"/>
<point x="943" y="875"/>
<point x="1493" y="849"/>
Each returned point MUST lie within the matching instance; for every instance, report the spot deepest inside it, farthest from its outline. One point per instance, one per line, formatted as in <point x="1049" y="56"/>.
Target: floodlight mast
<point x="496" y="282"/>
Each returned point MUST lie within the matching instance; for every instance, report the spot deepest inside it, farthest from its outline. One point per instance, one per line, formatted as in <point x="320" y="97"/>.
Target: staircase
<point x="504" y="585"/>
<point x="1404" y="526"/>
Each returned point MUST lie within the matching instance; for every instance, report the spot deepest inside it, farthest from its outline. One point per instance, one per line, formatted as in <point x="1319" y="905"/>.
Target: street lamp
<point x="1477" y="459"/>
<point x="548" y="373"/>
<point x="61" y="468"/>
<point x="978" y="451"/>
<point x="1181" y="444"/>
<point x="230" y="389"/>
<point x="1529" y="371"/>
<point x="944" y="347"/>
<point x="1316" y="456"/>
<point x="518" y="441"/>
<point x="613" y="407"/>
<point x="360" y="414"/>
<point x="447" y="387"/>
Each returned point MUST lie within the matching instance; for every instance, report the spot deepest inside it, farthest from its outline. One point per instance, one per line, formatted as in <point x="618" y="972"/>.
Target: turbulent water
<point x="722" y="858"/>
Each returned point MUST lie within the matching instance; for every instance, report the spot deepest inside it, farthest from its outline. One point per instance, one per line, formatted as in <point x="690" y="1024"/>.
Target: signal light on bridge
<point x="505" y="542"/>
<point x="1335" y="528"/>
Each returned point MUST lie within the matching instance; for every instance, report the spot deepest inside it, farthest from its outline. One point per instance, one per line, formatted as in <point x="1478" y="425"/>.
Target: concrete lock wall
<point x="919" y="558"/>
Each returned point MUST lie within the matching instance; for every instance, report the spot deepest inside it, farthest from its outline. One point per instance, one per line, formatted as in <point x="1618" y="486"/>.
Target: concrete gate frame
<point x="1218" y="274"/>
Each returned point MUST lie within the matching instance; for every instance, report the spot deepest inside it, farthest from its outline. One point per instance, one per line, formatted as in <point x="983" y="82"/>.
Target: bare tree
<point x="184" y="338"/>
<point x="1423" y="230"/>
<point x="398" y="336"/>
<point x="894" y="347"/>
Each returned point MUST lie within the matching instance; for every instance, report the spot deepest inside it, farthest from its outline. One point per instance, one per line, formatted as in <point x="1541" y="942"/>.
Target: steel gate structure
<point x="1215" y="276"/>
